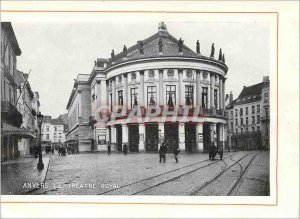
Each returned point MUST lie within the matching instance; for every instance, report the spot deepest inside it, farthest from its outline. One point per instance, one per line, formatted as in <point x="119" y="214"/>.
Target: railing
<point x="10" y="114"/>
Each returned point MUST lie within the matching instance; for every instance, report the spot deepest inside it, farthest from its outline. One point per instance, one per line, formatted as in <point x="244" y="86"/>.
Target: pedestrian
<point x="52" y="151"/>
<point x="162" y="152"/>
<point x="176" y="152"/>
<point x="108" y="149"/>
<point x="125" y="148"/>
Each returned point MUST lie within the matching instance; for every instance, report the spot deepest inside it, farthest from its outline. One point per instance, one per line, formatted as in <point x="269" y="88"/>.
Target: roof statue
<point x="141" y="45"/>
<point x="220" y="55"/>
<point x="212" y="54"/>
<point x="223" y="58"/>
<point x="198" y="47"/>
<point x="180" y="45"/>
<point x="112" y="55"/>
<point x="162" y="27"/>
<point x="125" y="51"/>
<point x="160" y="45"/>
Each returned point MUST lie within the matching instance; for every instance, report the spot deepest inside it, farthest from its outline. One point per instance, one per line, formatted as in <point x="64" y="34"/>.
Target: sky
<point x="55" y="53"/>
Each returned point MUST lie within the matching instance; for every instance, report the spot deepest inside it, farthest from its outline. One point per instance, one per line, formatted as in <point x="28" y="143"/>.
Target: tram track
<point x="165" y="173"/>
<point x="214" y="178"/>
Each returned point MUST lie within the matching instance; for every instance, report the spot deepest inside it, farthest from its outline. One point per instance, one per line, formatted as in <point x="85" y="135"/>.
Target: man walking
<point x="108" y="149"/>
<point x="125" y="148"/>
<point x="176" y="152"/>
<point x="162" y="152"/>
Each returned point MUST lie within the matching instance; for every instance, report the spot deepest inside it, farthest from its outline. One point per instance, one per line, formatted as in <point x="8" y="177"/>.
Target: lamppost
<point x="40" y="164"/>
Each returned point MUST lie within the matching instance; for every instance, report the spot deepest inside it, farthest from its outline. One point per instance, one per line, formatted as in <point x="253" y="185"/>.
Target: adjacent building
<point x="80" y="135"/>
<point x="249" y="119"/>
<point x="53" y="132"/>
<point x="161" y="75"/>
<point x="19" y="104"/>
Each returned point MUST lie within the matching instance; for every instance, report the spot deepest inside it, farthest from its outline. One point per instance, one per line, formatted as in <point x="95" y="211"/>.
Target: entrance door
<point x="133" y="136"/>
<point x="190" y="137"/>
<point x="152" y="137"/>
<point x="171" y="136"/>
<point x="119" y="137"/>
<point x="206" y="136"/>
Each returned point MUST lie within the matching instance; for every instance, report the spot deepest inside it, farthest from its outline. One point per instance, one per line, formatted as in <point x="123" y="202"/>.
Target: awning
<point x="8" y="129"/>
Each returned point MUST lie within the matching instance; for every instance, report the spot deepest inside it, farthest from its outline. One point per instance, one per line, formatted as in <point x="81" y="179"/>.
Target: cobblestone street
<point x="239" y="173"/>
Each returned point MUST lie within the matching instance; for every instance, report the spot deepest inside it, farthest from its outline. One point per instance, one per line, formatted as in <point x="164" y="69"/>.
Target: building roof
<point x="7" y="28"/>
<point x="248" y="95"/>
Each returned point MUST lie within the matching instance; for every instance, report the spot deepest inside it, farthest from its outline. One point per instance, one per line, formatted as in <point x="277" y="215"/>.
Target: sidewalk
<point x="21" y="175"/>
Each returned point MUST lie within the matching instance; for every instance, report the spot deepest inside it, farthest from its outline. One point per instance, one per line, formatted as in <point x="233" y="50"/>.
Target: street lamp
<point x="40" y="164"/>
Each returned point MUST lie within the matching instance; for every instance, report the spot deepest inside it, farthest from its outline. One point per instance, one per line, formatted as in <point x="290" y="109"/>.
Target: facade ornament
<point x="151" y="73"/>
<point x="170" y="73"/>
<point x="198" y="47"/>
<point x="212" y="54"/>
<point x="125" y="51"/>
<point x="180" y="45"/>
<point x="133" y="75"/>
<point x="189" y="73"/>
<point x="220" y="55"/>
<point x="120" y="79"/>
<point x="160" y="45"/>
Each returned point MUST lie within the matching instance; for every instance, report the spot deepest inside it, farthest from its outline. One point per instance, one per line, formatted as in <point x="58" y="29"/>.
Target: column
<point x="212" y="105"/>
<point x="113" y="137"/>
<point x="220" y="93"/>
<point x="124" y="134"/>
<point x="161" y="88"/>
<point x="208" y="93"/>
<point x="198" y="89"/>
<point x="161" y="132"/>
<point x="180" y="87"/>
<point x="181" y="136"/>
<point x="98" y="93"/>
<point x="113" y="87"/>
<point x="213" y="133"/>
<point x="125" y="94"/>
<point x="104" y="93"/>
<point x="223" y="93"/>
<point x="141" y="90"/>
<point x="142" y="137"/>
<point x="199" y="137"/>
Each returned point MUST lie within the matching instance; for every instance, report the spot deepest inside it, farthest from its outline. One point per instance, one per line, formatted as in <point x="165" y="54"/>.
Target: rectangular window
<point x="266" y="97"/>
<point x="47" y="136"/>
<point x="189" y="95"/>
<point x="236" y="131"/>
<point x="253" y="119"/>
<point x="246" y="120"/>
<point x="47" y="128"/>
<point x="120" y="98"/>
<point x="236" y="122"/>
<point x="151" y="95"/>
<point x="55" y="128"/>
<point x="241" y="121"/>
<point x="253" y="129"/>
<point x="133" y="97"/>
<point x="216" y="98"/>
<point x="204" y="97"/>
<point x="246" y="129"/>
<point x="258" y="119"/>
<point x="232" y="125"/>
<point x="253" y="109"/>
<point x="236" y="112"/>
<point x="171" y="95"/>
<point x="246" y="110"/>
<point x="231" y="114"/>
<point x="258" y="128"/>
<point x="54" y="135"/>
<point x="241" y="111"/>
<point x="258" y="109"/>
<point x="242" y="130"/>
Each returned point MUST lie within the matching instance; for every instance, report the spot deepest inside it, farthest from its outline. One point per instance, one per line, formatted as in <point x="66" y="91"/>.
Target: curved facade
<point x="158" y="91"/>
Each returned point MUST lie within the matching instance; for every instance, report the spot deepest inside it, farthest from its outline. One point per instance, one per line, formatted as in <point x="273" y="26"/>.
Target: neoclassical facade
<point x="158" y="91"/>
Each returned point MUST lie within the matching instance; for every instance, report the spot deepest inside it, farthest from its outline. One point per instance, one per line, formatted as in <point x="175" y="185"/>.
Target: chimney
<point x="230" y="97"/>
<point x="265" y="78"/>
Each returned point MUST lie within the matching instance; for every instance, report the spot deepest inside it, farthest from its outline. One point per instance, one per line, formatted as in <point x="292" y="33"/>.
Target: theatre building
<point x="158" y="90"/>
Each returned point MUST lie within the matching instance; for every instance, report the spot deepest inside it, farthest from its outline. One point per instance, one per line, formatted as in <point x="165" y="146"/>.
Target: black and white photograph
<point x="179" y="112"/>
<point x="140" y="107"/>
